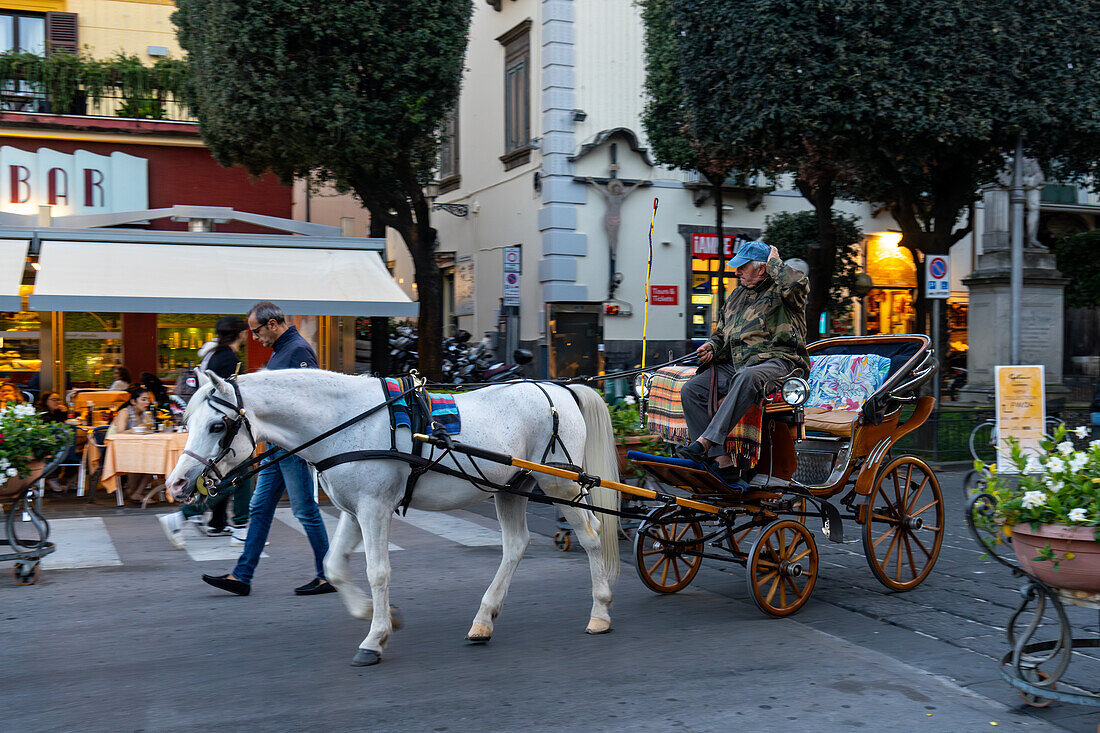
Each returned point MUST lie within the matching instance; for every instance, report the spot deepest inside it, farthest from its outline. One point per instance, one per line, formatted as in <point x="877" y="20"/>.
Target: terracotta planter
<point x="15" y="484"/>
<point x="627" y="443"/>
<point x="1080" y="573"/>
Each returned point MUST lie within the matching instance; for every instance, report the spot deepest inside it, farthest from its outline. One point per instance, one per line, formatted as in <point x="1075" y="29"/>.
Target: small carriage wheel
<point x="563" y="540"/>
<point x="661" y="567"/>
<point x="903" y="529"/>
<point x="25" y="573"/>
<point x="782" y="567"/>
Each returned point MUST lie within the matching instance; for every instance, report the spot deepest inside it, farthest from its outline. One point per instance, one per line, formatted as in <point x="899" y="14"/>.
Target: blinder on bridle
<point x="230" y="425"/>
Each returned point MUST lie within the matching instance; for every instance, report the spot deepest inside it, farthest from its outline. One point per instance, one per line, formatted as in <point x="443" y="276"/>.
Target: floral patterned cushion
<point x="844" y="381"/>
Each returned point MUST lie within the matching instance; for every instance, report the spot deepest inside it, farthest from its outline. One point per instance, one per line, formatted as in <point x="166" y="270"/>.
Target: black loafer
<point x="228" y="584"/>
<point x="315" y="587"/>
<point x="693" y="452"/>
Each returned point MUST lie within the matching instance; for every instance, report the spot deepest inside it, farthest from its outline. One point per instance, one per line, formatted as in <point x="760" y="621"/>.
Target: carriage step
<point x="843" y="540"/>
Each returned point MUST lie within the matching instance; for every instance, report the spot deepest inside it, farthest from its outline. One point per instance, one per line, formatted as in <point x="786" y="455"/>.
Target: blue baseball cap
<point x="750" y="251"/>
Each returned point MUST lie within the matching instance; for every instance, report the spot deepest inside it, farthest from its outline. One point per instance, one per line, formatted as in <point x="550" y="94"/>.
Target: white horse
<point x="287" y="408"/>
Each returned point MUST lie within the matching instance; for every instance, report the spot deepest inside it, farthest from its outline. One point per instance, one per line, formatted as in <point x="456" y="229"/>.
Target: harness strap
<point x="555" y="437"/>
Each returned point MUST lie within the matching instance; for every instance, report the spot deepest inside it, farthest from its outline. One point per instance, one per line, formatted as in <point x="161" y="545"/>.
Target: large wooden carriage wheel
<point x="662" y="567"/>
<point x="782" y="567"/>
<point x="903" y="524"/>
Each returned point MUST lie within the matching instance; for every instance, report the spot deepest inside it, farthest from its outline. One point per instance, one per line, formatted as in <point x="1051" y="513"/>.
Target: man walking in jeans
<point x="291" y="474"/>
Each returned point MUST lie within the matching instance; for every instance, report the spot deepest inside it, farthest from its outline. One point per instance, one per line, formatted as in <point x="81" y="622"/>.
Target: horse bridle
<point x="231" y="426"/>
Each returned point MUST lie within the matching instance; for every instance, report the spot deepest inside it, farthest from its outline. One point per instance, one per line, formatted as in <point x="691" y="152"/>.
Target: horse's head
<point x="219" y="437"/>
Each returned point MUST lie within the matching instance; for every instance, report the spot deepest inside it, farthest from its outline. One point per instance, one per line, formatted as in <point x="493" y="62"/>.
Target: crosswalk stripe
<point x="450" y="527"/>
<point x="201" y="548"/>
<point x="286" y="516"/>
<point x="82" y="542"/>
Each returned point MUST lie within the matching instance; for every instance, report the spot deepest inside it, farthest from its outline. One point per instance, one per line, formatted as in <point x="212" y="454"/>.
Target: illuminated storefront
<point x="889" y="306"/>
<point x="706" y="269"/>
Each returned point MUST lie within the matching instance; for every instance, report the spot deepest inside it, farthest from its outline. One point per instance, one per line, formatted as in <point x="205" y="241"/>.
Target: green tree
<point x="909" y="103"/>
<point x="353" y="92"/>
<point x="1077" y="260"/>
<point x="795" y="234"/>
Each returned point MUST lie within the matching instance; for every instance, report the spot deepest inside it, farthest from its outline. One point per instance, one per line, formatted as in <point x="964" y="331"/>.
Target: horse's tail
<point x="600" y="459"/>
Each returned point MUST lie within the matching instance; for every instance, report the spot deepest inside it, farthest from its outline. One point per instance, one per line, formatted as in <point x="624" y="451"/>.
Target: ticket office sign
<point x="1021" y="411"/>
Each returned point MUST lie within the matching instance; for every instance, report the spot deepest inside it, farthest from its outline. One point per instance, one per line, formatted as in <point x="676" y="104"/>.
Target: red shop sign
<point x="705" y="246"/>
<point x="664" y="294"/>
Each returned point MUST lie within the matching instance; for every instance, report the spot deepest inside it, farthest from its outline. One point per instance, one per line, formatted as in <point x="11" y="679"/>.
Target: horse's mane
<point x="197" y="399"/>
<point x="333" y="380"/>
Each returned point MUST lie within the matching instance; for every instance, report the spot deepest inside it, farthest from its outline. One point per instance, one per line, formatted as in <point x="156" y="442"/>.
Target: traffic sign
<point x="937" y="276"/>
<point x="513" y="259"/>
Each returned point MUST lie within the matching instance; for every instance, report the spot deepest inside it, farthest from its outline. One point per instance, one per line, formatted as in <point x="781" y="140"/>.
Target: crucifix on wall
<point x="614" y="191"/>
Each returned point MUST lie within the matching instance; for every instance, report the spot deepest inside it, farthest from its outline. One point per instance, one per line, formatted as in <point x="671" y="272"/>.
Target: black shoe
<point x="229" y="584"/>
<point x="731" y="475"/>
<point x="315" y="587"/>
<point x="694" y="452"/>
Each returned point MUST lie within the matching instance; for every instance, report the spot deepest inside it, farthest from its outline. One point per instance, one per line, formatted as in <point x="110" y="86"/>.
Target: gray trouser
<point x="741" y="389"/>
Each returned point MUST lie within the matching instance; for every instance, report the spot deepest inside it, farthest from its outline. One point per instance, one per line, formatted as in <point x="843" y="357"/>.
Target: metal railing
<point x="25" y="97"/>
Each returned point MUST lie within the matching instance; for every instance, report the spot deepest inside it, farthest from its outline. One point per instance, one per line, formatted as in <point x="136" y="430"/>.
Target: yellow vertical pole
<point x="57" y="351"/>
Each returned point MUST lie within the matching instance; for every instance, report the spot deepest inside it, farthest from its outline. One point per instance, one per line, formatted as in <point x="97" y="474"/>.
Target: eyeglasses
<point x="256" y="331"/>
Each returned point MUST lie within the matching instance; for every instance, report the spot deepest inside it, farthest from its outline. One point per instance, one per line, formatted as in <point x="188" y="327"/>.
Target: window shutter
<point x="61" y="33"/>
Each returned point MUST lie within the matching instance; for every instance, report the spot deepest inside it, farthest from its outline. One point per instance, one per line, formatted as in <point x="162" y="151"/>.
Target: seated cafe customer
<point x="9" y="394"/>
<point x="51" y="409"/>
<point x="134" y="414"/>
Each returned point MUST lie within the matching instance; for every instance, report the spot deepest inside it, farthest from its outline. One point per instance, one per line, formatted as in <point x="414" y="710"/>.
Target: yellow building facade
<point x="106" y="27"/>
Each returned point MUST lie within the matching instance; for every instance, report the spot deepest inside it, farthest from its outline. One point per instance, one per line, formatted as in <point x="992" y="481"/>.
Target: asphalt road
<point x="134" y="641"/>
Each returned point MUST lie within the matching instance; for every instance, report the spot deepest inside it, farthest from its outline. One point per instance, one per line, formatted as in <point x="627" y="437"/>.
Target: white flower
<point x="629" y="400"/>
<point x="1033" y="464"/>
<point x="1081" y="432"/>
<point x="1078" y="461"/>
<point x="1077" y="515"/>
<point x="1056" y="465"/>
<point x="1065" y="447"/>
<point x="1034" y="499"/>
<point x="1055" y="485"/>
<point x="1094" y="444"/>
<point x="11" y="472"/>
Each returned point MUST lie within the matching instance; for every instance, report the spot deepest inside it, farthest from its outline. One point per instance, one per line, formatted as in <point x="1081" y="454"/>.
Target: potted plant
<point x="26" y="441"/>
<point x="1051" y="509"/>
<point x="631" y="434"/>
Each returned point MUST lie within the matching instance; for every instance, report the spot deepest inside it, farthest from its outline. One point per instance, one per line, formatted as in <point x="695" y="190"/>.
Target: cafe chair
<point x="73" y="459"/>
<point x="96" y="449"/>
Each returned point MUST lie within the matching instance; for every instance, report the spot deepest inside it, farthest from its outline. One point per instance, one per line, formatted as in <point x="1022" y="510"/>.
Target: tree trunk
<point x="821" y="258"/>
<point x="379" y="325"/>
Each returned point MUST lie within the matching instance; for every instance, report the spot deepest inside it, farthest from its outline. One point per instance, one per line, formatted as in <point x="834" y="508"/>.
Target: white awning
<point x="13" y="256"/>
<point x="192" y="278"/>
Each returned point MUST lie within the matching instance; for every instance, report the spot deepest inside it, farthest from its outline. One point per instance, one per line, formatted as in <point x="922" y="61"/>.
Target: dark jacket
<point x="292" y="352"/>
<point x="223" y="362"/>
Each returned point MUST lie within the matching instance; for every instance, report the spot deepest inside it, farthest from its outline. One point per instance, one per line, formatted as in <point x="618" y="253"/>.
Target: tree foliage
<point x="911" y="103"/>
<point x="352" y="92"/>
<point x="1078" y="260"/>
<point x="795" y="234"/>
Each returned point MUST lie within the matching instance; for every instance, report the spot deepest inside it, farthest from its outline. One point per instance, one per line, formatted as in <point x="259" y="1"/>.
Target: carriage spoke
<point x="897" y="489"/>
<point x="681" y="535"/>
<point x="884" y="518"/>
<point x="909" y="553"/>
<point x="801" y="555"/>
<point x="766" y="578"/>
<point x="908" y="484"/>
<point x="783" y="593"/>
<point x="657" y="564"/>
<point x="664" y="573"/>
<point x="762" y="563"/>
<point x="901" y="538"/>
<point x="890" y="550"/>
<point x="917" y="495"/>
<point x="775" y="586"/>
<point x="883" y="536"/>
<point x="676" y="569"/>
<point x="921" y="545"/>
<point x="794" y="586"/>
<point x="925" y="508"/>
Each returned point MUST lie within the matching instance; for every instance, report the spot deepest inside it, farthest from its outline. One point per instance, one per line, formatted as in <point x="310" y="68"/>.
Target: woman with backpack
<point x="221" y="358"/>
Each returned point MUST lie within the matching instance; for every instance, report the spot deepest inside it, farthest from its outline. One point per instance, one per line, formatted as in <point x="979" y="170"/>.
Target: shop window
<point x="93" y="348"/>
<point x="449" y="178"/>
<point x="517" y="95"/>
<point x="20" y="356"/>
<point x="180" y="336"/>
<point x="704" y="294"/>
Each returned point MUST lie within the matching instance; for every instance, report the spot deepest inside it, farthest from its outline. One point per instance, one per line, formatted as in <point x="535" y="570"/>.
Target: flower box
<point x="1076" y="552"/>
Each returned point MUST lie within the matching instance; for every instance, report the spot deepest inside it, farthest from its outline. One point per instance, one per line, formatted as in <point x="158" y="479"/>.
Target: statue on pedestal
<point x="1033" y="181"/>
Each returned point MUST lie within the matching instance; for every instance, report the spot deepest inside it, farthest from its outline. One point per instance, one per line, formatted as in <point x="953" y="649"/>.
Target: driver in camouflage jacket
<point x="761" y="336"/>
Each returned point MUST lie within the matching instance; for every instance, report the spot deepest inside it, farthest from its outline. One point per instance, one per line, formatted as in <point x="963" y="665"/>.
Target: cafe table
<point x="152" y="453"/>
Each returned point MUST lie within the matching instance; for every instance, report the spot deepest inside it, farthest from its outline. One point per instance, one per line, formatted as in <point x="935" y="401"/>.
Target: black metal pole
<point x="721" y="299"/>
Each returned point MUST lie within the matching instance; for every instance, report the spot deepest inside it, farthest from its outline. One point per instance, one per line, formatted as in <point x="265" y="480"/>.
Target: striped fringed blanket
<point x="665" y="417"/>
<point x="444" y="410"/>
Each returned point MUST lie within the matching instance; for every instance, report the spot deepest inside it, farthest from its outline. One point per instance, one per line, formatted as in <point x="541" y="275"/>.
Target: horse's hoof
<point x="397" y="620"/>
<point x="479" y="633"/>
<point x="366" y="658"/>
<point x="598" y="626"/>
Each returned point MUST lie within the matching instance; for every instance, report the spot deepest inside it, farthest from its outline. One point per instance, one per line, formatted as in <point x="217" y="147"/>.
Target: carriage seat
<point x="839" y="385"/>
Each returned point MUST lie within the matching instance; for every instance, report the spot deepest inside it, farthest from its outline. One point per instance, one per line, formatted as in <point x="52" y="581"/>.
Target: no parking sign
<point x="937" y="276"/>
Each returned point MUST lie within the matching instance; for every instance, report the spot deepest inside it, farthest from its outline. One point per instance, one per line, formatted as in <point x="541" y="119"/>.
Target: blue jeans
<point x="290" y="475"/>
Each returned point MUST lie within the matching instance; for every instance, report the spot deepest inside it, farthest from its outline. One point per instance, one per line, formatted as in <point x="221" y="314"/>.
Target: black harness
<point x="419" y="414"/>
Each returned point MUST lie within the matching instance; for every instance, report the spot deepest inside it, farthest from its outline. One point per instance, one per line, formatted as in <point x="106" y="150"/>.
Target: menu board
<point x="1021" y="411"/>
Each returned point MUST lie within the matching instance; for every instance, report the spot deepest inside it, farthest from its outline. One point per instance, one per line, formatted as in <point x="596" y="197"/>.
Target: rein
<point x="571" y="380"/>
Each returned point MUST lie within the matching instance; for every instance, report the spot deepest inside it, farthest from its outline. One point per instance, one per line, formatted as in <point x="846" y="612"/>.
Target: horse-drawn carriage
<point x="563" y="433"/>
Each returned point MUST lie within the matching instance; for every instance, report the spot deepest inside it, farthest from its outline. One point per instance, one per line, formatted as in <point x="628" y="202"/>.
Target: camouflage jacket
<point x="765" y="321"/>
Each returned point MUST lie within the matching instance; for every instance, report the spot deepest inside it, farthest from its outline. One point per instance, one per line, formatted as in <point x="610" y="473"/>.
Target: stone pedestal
<point x="989" y="320"/>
